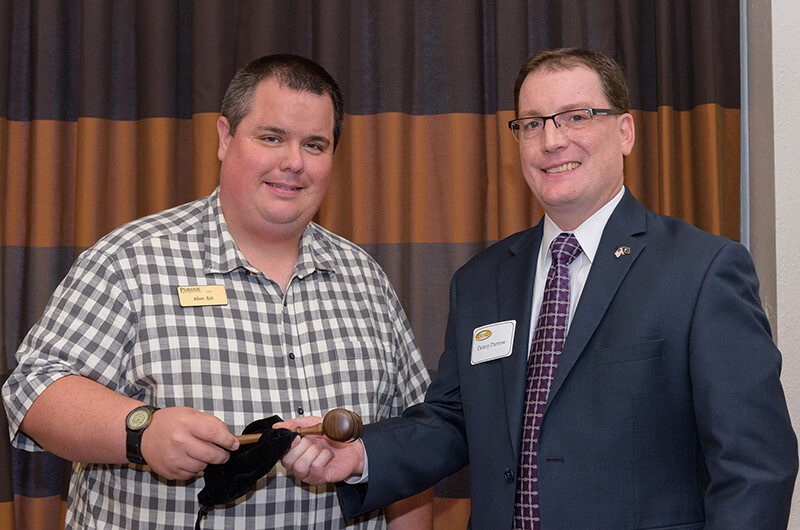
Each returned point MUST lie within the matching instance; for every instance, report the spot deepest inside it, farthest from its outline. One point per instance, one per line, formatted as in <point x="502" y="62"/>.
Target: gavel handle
<point x="245" y="439"/>
<point x="253" y="438"/>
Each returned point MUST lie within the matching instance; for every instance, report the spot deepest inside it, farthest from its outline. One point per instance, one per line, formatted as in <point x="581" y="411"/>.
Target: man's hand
<point x="81" y="420"/>
<point x="318" y="459"/>
<point x="180" y="442"/>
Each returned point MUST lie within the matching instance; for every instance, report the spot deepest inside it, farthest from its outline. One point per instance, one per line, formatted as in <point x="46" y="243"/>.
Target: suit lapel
<point x="605" y="277"/>
<point x="515" y="277"/>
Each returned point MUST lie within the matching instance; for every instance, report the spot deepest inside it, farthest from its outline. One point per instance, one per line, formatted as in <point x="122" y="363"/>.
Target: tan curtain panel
<point x="108" y="109"/>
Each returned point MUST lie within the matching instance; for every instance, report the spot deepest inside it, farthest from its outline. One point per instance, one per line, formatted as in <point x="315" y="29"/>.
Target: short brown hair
<point x="610" y="73"/>
<point x="293" y="71"/>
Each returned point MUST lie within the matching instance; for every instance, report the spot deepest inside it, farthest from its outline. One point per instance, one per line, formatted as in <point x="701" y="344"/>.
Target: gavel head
<point x="342" y="425"/>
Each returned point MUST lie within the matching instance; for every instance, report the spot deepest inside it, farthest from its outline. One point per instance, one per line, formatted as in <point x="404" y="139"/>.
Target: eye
<point x="270" y="139"/>
<point x="317" y="148"/>
<point x="577" y="117"/>
<point x="532" y="124"/>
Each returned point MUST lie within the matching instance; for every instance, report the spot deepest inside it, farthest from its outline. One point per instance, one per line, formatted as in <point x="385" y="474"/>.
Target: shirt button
<point x="300" y="411"/>
<point x="291" y="355"/>
<point x="509" y="476"/>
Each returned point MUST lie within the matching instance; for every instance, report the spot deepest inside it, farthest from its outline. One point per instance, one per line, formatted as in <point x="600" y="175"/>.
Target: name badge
<point x="493" y="341"/>
<point x="202" y="295"/>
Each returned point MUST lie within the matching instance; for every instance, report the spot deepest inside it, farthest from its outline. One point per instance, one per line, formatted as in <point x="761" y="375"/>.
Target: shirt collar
<point x="315" y="252"/>
<point x="222" y="254"/>
<point x="589" y="232"/>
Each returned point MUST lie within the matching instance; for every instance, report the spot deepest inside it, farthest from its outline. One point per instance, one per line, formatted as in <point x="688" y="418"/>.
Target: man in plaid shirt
<point x="214" y="314"/>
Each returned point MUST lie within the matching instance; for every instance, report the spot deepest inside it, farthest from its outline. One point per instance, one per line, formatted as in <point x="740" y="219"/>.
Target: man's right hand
<point x="318" y="459"/>
<point x="180" y="442"/>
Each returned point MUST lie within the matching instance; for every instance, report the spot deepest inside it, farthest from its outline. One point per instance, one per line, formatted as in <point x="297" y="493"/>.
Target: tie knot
<point x="565" y="248"/>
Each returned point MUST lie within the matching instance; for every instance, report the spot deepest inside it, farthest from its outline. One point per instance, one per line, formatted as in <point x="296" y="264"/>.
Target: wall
<point x="773" y="79"/>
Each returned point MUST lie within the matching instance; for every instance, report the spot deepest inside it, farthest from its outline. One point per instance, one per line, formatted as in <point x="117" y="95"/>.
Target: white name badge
<point x="493" y="341"/>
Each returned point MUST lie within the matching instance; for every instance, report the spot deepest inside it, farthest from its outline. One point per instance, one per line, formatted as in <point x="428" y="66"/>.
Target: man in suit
<point x="662" y="407"/>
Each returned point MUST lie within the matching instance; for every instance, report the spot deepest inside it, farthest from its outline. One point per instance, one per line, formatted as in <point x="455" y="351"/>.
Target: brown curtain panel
<point x="107" y="112"/>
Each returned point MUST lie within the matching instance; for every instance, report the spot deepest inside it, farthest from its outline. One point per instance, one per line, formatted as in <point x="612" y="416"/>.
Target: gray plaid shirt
<point x="338" y="337"/>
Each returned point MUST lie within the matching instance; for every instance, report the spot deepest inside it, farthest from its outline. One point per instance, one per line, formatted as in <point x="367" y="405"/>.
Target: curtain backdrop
<point x="107" y="113"/>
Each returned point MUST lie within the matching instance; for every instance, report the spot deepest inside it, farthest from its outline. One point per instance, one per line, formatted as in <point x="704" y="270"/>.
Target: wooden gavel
<point x="340" y="425"/>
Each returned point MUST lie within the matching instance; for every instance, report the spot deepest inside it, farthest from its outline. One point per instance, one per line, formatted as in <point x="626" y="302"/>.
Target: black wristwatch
<point x="136" y="422"/>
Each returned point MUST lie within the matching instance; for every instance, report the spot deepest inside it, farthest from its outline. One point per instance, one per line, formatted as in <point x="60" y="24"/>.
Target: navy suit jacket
<point x="666" y="410"/>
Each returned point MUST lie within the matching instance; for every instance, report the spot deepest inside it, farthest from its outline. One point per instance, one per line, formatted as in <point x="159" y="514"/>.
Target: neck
<point x="569" y="217"/>
<point x="567" y="223"/>
<point x="275" y="258"/>
<point x="273" y="252"/>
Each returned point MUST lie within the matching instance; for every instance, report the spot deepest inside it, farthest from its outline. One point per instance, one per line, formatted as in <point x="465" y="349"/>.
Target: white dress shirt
<point x="588" y="235"/>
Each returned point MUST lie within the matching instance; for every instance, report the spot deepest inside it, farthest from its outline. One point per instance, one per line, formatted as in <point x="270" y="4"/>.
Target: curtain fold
<point x="108" y="112"/>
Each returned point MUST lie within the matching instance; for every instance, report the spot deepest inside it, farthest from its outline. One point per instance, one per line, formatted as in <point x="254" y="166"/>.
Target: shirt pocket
<point x="359" y="373"/>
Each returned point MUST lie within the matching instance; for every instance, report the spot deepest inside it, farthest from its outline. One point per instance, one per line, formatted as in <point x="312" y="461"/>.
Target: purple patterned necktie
<point x="548" y="341"/>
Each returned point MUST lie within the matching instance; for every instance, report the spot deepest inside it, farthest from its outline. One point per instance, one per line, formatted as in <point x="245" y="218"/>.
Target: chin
<point x="558" y="197"/>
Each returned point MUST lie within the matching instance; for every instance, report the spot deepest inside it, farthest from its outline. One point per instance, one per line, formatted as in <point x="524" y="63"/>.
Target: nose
<point x="552" y="137"/>
<point x="292" y="158"/>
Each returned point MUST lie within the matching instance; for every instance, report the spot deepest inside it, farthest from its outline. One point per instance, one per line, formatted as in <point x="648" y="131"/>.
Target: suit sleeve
<point x="746" y="437"/>
<point x="410" y="453"/>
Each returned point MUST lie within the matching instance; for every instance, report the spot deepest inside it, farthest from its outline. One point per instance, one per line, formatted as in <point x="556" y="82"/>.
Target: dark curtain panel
<point x="107" y="113"/>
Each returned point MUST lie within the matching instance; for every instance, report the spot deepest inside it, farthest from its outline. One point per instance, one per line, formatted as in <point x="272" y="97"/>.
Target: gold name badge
<point x="202" y="295"/>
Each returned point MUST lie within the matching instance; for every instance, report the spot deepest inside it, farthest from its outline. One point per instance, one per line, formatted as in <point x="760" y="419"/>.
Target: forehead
<point x="271" y="98"/>
<point x="546" y="91"/>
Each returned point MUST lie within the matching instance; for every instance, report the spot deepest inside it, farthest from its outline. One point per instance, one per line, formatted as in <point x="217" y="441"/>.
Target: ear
<point x="224" y="133"/>
<point x="627" y="133"/>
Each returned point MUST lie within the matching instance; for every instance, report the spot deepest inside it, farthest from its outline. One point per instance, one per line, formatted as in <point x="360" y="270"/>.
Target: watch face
<point x="139" y="419"/>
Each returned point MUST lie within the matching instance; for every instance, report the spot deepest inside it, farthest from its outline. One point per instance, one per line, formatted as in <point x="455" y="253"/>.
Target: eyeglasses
<point x="528" y="128"/>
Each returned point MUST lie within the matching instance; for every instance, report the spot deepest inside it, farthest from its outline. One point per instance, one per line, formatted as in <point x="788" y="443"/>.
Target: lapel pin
<point x="622" y="250"/>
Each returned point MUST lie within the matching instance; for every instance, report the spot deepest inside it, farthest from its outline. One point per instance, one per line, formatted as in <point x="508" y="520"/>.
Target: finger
<point x="305" y="455"/>
<point x="305" y="464"/>
<point x="298" y="449"/>
<point x="189" y="468"/>
<point x="295" y="442"/>
<point x="306" y="421"/>
<point x="207" y="453"/>
<point x="317" y="473"/>
<point x="179" y="468"/>
<point x="213" y="431"/>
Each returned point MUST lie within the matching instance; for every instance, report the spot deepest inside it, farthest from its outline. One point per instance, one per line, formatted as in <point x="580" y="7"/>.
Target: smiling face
<point x="574" y="174"/>
<point x="277" y="166"/>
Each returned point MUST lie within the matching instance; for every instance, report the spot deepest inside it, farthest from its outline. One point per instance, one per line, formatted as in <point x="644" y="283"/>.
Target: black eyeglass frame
<point x="513" y="125"/>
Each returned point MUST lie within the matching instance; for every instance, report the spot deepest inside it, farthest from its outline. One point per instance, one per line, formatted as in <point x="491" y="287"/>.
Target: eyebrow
<point x="272" y="129"/>
<point x="277" y="130"/>
<point x="579" y="105"/>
